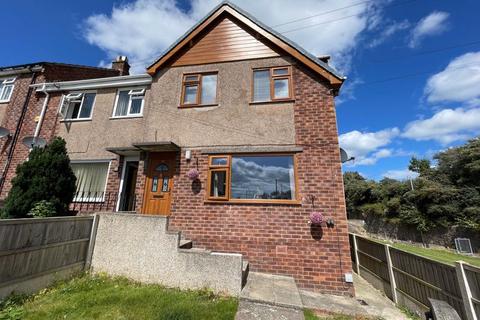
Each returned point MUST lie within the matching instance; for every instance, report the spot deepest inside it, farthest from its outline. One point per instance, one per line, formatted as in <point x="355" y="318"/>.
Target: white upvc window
<point x="129" y="103"/>
<point x="6" y="89"/>
<point x="77" y="106"/>
<point x="91" y="180"/>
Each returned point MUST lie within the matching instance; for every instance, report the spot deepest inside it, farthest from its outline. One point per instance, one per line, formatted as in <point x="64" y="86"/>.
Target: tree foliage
<point x="46" y="177"/>
<point x="447" y="194"/>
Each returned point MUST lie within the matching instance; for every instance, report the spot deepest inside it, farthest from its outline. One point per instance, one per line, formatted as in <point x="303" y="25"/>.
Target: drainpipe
<point x="42" y="113"/>
<point x="17" y="132"/>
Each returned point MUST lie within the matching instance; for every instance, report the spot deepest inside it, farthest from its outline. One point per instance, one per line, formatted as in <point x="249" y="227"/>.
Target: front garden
<point x="102" y="297"/>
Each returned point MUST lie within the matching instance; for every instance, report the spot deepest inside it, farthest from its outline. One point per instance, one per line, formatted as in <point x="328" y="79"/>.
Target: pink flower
<point x="193" y="174"/>
<point x="316" y="218"/>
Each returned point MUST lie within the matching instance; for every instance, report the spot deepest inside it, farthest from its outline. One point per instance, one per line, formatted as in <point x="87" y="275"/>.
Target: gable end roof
<point x="317" y="65"/>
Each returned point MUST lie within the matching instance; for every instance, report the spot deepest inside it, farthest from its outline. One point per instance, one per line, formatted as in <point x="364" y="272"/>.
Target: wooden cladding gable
<point x="226" y="41"/>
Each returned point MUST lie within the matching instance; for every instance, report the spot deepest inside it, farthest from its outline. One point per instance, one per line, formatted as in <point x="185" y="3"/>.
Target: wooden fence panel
<point x="372" y="258"/>
<point x="473" y="278"/>
<point x="35" y="247"/>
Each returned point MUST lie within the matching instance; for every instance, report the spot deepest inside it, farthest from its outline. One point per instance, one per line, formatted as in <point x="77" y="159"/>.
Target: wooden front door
<point x="159" y="183"/>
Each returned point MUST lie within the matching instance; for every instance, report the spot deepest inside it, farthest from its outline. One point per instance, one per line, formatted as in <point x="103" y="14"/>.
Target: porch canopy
<point x="137" y="147"/>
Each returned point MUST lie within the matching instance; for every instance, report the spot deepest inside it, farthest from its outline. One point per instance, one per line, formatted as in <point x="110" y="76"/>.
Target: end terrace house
<point x="232" y="134"/>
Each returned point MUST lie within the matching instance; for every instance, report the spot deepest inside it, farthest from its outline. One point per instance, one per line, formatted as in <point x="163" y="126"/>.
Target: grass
<point x="101" y="297"/>
<point x="441" y="255"/>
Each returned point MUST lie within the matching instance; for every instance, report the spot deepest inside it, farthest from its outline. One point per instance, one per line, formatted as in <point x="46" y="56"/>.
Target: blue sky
<point x="413" y="66"/>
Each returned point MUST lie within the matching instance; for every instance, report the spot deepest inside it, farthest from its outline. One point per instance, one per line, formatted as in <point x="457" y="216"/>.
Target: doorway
<point x="128" y="194"/>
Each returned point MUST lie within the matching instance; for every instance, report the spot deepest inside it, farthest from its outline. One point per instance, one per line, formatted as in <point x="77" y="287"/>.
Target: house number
<point x="165" y="184"/>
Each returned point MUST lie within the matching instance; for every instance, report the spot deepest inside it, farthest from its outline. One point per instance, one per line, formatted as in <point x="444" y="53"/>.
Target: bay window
<point x="129" y="103"/>
<point x="272" y="84"/>
<point x="256" y="178"/>
<point x="91" y="180"/>
<point x="6" y="89"/>
<point x="199" y="89"/>
<point x="78" y="106"/>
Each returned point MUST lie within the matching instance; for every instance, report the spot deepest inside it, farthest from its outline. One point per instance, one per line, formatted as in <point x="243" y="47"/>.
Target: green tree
<point x="45" y="176"/>
<point x="421" y="166"/>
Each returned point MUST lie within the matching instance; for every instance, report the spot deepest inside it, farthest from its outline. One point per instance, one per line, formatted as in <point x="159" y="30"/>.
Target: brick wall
<point x="277" y="238"/>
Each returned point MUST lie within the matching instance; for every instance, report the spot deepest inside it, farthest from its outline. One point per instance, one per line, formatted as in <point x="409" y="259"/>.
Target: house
<point x="20" y="106"/>
<point x="231" y="133"/>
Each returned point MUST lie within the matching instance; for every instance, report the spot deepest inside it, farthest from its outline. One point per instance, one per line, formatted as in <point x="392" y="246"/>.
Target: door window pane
<point x="190" y="95"/>
<point x="261" y="85"/>
<point x="218" y="182"/>
<point x="262" y="177"/>
<point x="209" y="89"/>
<point x="219" y="161"/>
<point x="281" y="88"/>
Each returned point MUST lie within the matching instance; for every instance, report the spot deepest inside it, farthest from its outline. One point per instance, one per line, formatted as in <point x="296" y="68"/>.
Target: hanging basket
<point x="316" y="218"/>
<point x="193" y="174"/>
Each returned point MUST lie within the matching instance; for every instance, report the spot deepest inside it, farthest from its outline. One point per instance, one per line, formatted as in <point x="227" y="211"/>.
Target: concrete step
<point x="185" y="244"/>
<point x="195" y="250"/>
<point x="245" y="270"/>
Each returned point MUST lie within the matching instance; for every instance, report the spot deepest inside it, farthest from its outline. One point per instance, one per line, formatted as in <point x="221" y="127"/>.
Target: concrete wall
<point x="233" y="122"/>
<point x="139" y="247"/>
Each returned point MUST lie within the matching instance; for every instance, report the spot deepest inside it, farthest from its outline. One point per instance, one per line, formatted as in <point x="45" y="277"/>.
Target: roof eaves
<point x="263" y="26"/>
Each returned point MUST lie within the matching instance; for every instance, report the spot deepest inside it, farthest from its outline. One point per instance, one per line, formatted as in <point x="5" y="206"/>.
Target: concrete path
<point x="368" y="302"/>
<point x="256" y="311"/>
<point x="272" y="289"/>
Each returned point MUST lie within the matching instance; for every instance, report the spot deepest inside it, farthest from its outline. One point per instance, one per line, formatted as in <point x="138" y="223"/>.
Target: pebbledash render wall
<point x="276" y="238"/>
<point x="11" y="112"/>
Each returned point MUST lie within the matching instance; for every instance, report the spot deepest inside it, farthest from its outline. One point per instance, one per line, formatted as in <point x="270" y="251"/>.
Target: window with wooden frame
<point x="272" y="84"/>
<point x="252" y="178"/>
<point x="199" y="89"/>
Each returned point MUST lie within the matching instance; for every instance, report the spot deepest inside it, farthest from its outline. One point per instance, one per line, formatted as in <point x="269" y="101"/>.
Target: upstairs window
<point x="129" y="103"/>
<point x="199" y="89"/>
<point x="272" y="84"/>
<point x="6" y="89"/>
<point x="78" y="106"/>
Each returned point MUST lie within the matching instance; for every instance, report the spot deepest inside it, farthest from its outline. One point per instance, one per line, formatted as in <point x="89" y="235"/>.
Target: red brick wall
<point x="277" y="238"/>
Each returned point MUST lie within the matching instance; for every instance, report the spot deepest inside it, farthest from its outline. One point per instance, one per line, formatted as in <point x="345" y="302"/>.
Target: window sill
<point x="76" y="120"/>
<point x="272" y="101"/>
<point x="4" y="101"/>
<point x="187" y="106"/>
<point x="126" y="117"/>
<point x="258" y="202"/>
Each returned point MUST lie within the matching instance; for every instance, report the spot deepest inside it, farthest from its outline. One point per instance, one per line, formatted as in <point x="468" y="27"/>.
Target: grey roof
<point x="263" y="26"/>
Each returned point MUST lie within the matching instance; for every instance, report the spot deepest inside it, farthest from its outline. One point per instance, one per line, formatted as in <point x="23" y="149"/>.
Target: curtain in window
<point x="261" y="85"/>
<point x="122" y="104"/>
<point x="5" y="91"/>
<point x="87" y="105"/>
<point x="91" y="179"/>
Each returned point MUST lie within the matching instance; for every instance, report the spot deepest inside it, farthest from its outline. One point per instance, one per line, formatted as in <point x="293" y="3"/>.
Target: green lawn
<point x="441" y="255"/>
<point x="101" y="297"/>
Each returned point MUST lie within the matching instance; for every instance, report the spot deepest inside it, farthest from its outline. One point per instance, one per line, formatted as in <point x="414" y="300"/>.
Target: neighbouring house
<point x="231" y="133"/>
<point x="21" y="107"/>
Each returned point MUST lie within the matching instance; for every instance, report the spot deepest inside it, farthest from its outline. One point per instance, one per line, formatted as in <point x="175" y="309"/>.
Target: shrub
<point x="46" y="176"/>
<point x="43" y="209"/>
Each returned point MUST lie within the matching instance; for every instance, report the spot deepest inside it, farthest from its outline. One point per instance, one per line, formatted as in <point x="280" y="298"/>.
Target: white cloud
<point x="459" y="82"/>
<point x="366" y="147"/>
<point x="446" y="126"/>
<point x="388" y="32"/>
<point x="400" y="174"/>
<point x="433" y="24"/>
<point x="144" y="28"/>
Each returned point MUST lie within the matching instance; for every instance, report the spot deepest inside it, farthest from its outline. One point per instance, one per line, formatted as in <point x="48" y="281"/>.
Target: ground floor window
<point x="91" y="180"/>
<point x="252" y="178"/>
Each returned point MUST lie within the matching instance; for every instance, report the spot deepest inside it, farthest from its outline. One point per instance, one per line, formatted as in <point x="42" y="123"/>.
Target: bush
<point x="45" y="176"/>
<point x="43" y="209"/>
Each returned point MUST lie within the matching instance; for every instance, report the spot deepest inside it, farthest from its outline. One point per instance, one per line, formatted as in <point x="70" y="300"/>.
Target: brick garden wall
<point x="276" y="238"/>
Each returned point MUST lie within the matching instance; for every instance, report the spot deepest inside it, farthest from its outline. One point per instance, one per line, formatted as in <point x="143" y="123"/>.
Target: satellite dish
<point x="31" y="142"/>
<point x="4" y="132"/>
<point x="344" y="156"/>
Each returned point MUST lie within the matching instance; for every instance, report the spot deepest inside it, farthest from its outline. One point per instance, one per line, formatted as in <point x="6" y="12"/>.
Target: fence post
<point x="465" y="289"/>
<point x="91" y="243"/>
<point x="355" y="250"/>
<point x="393" y="284"/>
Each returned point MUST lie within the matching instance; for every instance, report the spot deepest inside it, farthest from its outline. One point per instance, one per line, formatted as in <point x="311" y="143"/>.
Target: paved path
<point x="256" y="311"/>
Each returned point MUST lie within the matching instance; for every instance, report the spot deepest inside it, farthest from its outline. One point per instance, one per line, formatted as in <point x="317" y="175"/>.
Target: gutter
<point x="98" y="83"/>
